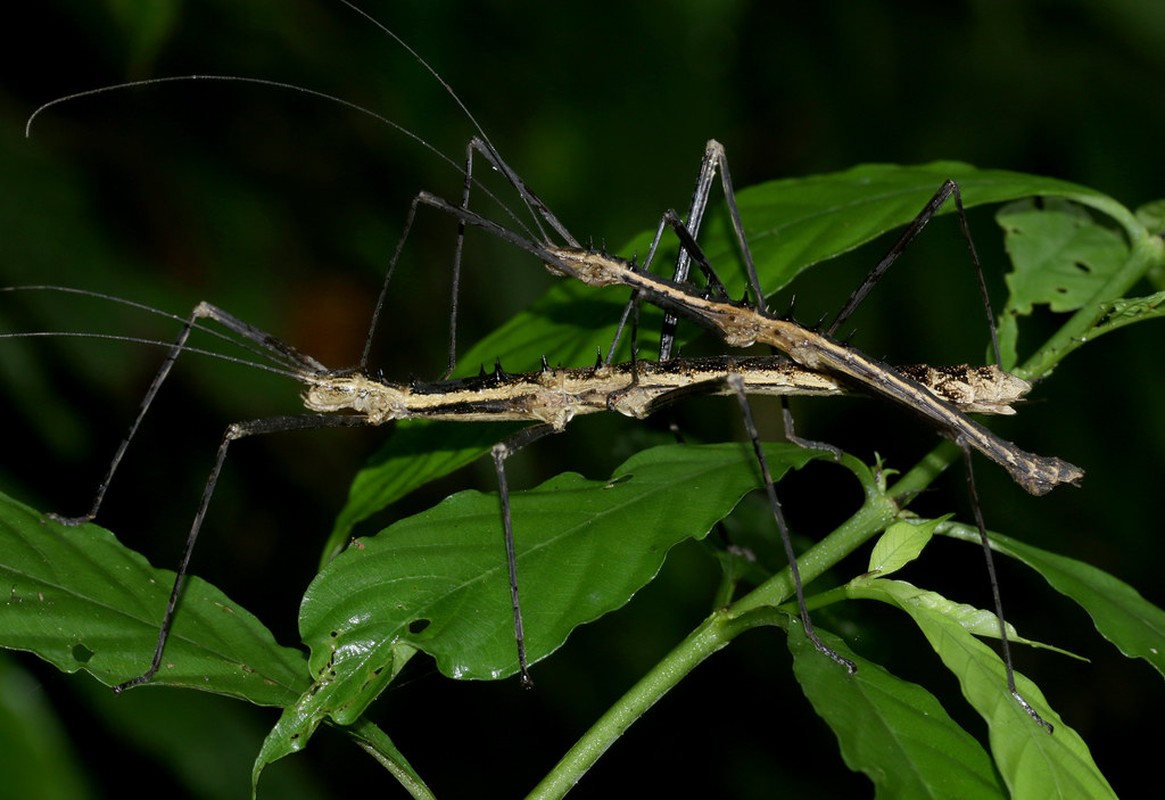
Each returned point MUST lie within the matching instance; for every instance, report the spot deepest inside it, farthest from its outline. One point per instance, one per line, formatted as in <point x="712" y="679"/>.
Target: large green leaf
<point x="80" y="600"/>
<point x="437" y="581"/>
<point x="1120" y="613"/>
<point x="892" y="730"/>
<point x="1033" y="762"/>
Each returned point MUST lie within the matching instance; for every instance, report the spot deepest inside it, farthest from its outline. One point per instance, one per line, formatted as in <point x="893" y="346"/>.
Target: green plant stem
<point x="758" y="608"/>
<point x="712" y="634"/>
<point x="1148" y="252"/>
<point x="878" y="510"/>
<point x="924" y="472"/>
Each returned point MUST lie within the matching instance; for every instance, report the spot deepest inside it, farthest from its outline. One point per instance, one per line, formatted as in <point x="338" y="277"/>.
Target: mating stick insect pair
<point x="552" y="397"/>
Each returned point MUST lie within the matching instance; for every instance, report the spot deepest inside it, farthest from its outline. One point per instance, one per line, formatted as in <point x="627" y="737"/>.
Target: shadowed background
<point x="285" y="209"/>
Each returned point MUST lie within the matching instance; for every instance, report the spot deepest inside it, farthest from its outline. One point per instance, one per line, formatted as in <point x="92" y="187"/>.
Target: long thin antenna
<point x="537" y="209"/>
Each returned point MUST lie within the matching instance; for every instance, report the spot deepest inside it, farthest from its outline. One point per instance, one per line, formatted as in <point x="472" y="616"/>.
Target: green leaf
<point x="976" y="621"/>
<point x="1152" y="216"/>
<point x="80" y="600"/>
<point x="1120" y="613"/>
<point x="438" y="582"/>
<point x="894" y="731"/>
<point x="1120" y="313"/>
<point x="418" y="451"/>
<point x="900" y="544"/>
<point x="39" y="760"/>
<point x="1060" y="254"/>
<point x="1061" y="257"/>
<point x="1031" y="761"/>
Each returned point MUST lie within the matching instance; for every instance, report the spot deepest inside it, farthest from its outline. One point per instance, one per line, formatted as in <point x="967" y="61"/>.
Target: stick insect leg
<point x="683" y="263"/>
<point x="458" y="249"/>
<point x="779" y="517"/>
<point x="1004" y="644"/>
<point x="632" y="309"/>
<point x="538" y="209"/>
<point x="808" y="444"/>
<point x="500" y="453"/>
<point x="633" y="303"/>
<point x="410" y="217"/>
<point x="691" y="250"/>
<point x="115" y="462"/>
<point x="234" y="432"/>
<point x="714" y="157"/>
<point x="270" y="344"/>
<point x="689" y="246"/>
<point x="539" y="212"/>
<point x="282" y="352"/>
<point x="948" y="190"/>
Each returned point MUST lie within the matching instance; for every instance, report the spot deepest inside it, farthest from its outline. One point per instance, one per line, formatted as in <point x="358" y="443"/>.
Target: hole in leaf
<point x="418" y="625"/>
<point x="81" y="653"/>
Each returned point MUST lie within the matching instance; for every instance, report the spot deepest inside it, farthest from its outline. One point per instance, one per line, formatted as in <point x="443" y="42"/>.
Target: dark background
<point x="285" y="209"/>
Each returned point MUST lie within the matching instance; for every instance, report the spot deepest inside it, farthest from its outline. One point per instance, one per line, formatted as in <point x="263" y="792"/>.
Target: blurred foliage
<point x="284" y="210"/>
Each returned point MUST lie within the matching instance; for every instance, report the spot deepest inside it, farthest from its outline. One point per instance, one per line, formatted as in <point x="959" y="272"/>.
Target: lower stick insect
<point x="551" y="398"/>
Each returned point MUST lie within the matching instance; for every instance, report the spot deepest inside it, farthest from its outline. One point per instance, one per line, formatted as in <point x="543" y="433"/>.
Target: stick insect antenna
<point x="538" y="209"/>
<point x="527" y="196"/>
<point x="292" y="362"/>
